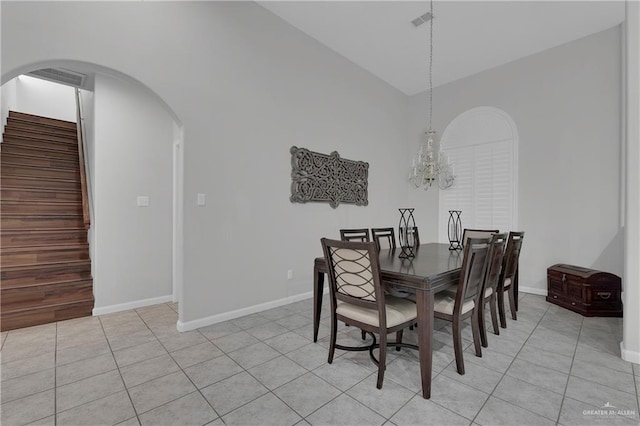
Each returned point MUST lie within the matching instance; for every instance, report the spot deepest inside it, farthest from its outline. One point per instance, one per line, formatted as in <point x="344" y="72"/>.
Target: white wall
<point x="246" y="87"/>
<point x="630" y="346"/>
<point x="8" y="100"/>
<point x="566" y="105"/>
<point x="132" y="156"/>
<point x="44" y="98"/>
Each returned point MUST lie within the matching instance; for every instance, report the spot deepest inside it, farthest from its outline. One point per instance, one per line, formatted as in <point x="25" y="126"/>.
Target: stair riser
<point x="44" y="295"/>
<point x="13" y="320"/>
<point x="8" y="132"/>
<point x="24" y="182"/>
<point x="8" y="240"/>
<point x="41" y="120"/>
<point x="14" y="148"/>
<point x="19" y="277"/>
<point x="42" y="195"/>
<point x="11" y="170"/>
<point x="9" y="223"/>
<point x="20" y="160"/>
<point x="48" y="145"/>
<point x="19" y="125"/>
<point x="34" y="208"/>
<point x="12" y="259"/>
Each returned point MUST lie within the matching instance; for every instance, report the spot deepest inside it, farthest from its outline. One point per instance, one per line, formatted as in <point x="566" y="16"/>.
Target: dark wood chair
<point x="358" y="299"/>
<point x="361" y="235"/>
<point x="461" y="304"/>
<point x="416" y="235"/>
<point x="490" y="285"/>
<point x="477" y="233"/>
<point x="508" y="276"/>
<point x="385" y="234"/>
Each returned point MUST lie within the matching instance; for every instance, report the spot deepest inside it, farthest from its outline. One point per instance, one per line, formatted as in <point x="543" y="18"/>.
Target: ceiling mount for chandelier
<point x="428" y="167"/>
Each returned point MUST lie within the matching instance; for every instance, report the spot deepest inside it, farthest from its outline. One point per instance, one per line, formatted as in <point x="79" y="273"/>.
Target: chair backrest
<point x="494" y="261"/>
<point x="385" y="234"/>
<point x="477" y="233"/>
<point x="416" y="235"/>
<point x="354" y="273"/>
<point x="361" y="235"/>
<point x="472" y="273"/>
<point x="511" y="256"/>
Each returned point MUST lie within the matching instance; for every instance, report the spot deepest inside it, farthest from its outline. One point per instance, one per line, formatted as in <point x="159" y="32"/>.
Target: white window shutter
<point x="483" y="188"/>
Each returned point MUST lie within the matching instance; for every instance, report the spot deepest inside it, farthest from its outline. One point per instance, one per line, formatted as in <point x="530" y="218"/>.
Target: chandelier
<point x="428" y="166"/>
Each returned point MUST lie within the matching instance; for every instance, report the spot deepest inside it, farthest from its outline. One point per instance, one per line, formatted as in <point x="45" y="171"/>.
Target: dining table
<point x="434" y="268"/>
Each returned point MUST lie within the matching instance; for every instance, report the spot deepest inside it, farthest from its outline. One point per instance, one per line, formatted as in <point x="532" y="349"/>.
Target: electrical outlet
<point x="201" y="200"/>
<point x="290" y="274"/>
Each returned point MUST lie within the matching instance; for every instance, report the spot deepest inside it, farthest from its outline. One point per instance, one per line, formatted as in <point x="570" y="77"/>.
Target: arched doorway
<point x="125" y="248"/>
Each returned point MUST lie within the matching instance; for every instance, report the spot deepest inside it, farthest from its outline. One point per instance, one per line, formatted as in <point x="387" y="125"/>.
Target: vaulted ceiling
<point x="468" y="36"/>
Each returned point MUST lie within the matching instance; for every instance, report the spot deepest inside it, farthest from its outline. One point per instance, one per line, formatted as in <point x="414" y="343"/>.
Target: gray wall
<point x="566" y="103"/>
<point x="246" y="87"/>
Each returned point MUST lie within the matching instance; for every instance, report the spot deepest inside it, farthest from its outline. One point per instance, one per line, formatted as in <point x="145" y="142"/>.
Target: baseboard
<point x="132" y="305"/>
<point x="533" y="290"/>
<point x="630" y="356"/>
<point x="214" y="319"/>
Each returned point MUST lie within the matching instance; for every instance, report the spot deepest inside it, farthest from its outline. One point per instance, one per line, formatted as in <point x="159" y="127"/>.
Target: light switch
<point x="143" y="200"/>
<point x="201" y="200"/>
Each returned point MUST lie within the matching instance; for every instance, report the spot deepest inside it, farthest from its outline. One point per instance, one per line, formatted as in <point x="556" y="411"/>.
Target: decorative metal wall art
<point x="327" y="178"/>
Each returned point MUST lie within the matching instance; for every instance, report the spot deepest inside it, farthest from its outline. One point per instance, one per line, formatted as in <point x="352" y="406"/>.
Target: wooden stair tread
<point x="45" y="284"/>
<point x="21" y="160"/>
<point x="28" y="189"/>
<point x="39" y="151"/>
<point x="53" y="305"/>
<point x="31" y="118"/>
<point x="39" y="202"/>
<point x="38" y="231"/>
<point x="46" y="247"/>
<point x="17" y="124"/>
<point x="28" y="177"/>
<point x="44" y="265"/>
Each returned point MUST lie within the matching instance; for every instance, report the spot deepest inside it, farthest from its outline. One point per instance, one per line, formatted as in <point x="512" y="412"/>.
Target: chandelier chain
<point x="431" y="65"/>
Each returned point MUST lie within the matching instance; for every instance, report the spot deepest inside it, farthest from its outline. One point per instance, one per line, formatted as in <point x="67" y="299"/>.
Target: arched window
<point x="482" y="145"/>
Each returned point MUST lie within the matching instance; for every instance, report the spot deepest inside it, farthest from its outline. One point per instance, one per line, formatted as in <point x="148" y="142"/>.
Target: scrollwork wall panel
<point x="327" y="178"/>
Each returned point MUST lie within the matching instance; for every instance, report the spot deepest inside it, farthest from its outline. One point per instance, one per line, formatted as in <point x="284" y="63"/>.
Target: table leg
<point x="424" y="304"/>
<point x="318" y="290"/>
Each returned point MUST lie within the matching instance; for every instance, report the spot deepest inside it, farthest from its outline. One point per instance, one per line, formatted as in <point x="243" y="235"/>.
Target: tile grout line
<point x="135" y="411"/>
<point x="507" y="369"/>
<point x="573" y="358"/>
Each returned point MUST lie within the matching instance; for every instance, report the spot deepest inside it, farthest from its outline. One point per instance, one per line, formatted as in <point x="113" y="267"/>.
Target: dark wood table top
<point x="433" y="267"/>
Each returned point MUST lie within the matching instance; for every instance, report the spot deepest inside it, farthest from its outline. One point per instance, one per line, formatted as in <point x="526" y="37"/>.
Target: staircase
<point x="45" y="267"/>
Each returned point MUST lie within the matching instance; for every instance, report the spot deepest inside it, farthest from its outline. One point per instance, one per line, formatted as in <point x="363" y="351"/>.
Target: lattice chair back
<point x="354" y="272"/>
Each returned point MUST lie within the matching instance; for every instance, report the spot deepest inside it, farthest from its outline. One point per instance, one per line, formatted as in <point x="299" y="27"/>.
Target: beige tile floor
<point x="550" y="367"/>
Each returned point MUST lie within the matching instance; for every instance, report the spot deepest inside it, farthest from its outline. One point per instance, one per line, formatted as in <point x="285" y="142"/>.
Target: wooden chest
<point x="585" y="291"/>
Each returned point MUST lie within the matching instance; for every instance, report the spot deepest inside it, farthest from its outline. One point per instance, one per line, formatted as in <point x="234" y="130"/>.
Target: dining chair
<point x="416" y="235"/>
<point x="386" y="234"/>
<point x="461" y="304"/>
<point x="490" y="285"/>
<point x="355" y="235"/>
<point x="508" y="276"/>
<point x="358" y="299"/>
<point x="477" y="233"/>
